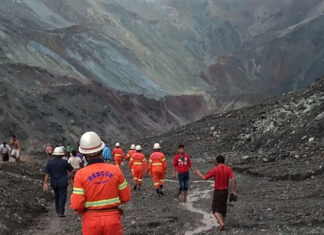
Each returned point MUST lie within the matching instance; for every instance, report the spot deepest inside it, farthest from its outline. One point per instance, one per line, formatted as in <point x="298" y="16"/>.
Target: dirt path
<point x="50" y="223"/>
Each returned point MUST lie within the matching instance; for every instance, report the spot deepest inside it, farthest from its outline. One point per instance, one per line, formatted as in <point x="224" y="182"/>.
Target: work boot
<point x="185" y="193"/>
<point x="161" y="191"/>
<point x="134" y="188"/>
<point x="157" y="191"/>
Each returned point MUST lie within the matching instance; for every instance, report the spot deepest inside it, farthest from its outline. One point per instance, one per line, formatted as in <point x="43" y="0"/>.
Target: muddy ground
<point x="265" y="206"/>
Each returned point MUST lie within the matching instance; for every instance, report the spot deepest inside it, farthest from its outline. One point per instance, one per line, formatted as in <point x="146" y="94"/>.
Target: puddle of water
<point x="208" y="220"/>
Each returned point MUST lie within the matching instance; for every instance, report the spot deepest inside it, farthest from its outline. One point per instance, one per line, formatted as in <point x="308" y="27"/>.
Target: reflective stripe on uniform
<point x="78" y="191"/>
<point x="139" y="180"/>
<point x="157" y="164"/>
<point x="102" y="202"/>
<point x="117" y="155"/>
<point x="122" y="185"/>
<point x="156" y="183"/>
<point x="150" y="160"/>
<point x="138" y="163"/>
<point x="163" y="159"/>
<point x="161" y="180"/>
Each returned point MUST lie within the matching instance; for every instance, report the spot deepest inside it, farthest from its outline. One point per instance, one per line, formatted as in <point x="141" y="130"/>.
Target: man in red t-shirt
<point x="221" y="173"/>
<point x="182" y="164"/>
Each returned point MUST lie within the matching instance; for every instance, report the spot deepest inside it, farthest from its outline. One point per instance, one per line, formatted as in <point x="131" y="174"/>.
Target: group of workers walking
<point x="99" y="188"/>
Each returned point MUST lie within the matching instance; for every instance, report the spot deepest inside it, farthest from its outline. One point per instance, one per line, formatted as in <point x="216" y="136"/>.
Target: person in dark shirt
<point x="57" y="171"/>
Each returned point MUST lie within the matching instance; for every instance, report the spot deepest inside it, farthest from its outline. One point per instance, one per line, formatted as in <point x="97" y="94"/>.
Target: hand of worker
<point x="197" y="172"/>
<point x="45" y="187"/>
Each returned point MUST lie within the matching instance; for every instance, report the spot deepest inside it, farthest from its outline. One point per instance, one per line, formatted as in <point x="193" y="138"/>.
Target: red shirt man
<point x="221" y="173"/>
<point x="182" y="164"/>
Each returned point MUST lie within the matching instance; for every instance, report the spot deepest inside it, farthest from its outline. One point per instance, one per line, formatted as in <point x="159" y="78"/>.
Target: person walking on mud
<point x="182" y="164"/>
<point x="4" y="151"/>
<point x="49" y="150"/>
<point x="98" y="190"/>
<point x="57" y="171"/>
<point x="157" y="168"/>
<point x="138" y="165"/>
<point x="15" y="153"/>
<point x="221" y="173"/>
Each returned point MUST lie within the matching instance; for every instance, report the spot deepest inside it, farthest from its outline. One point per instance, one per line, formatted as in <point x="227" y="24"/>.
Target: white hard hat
<point x="138" y="148"/>
<point x="156" y="146"/>
<point x="90" y="142"/>
<point x="58" y="151"/>
<point x="117" y="144"/>
<point x="132" y="146"/>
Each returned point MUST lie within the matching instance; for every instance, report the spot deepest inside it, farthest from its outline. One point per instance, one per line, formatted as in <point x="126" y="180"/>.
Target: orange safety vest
<point x="137" y="160"/>
<point x="118" y="153"/>
<point x="158" y="162"/>
<point x="99" y="186"/>
<point x="129" y="154"/>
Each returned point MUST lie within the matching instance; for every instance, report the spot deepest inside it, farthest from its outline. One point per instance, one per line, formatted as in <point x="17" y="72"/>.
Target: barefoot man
<point x="221" y="173"/>
<point x="15" y="153"/>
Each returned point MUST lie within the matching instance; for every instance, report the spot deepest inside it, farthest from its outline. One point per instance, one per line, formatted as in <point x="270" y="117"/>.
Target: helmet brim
<point x="92" y="150"/>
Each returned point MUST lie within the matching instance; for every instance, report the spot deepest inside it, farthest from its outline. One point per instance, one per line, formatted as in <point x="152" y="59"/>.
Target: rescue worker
<point x="57" y="170"/>
<point x="15" y="146"/>
<point x="118" y="154"/>
<point x="157" y="168"/>
<point x="221" y="173"/>
<point x="98" y="190"/>
<point x="182" y="164"/>
<point x="130" y="152"/>
<point x="138" y="163"/>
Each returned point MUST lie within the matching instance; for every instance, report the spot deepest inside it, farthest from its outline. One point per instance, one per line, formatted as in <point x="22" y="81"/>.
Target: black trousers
<point x="60" y="199"/>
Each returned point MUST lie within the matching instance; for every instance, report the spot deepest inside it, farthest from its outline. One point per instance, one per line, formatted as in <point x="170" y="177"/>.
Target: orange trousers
<point x="118" y="161"/>
<point x="158" y="178"/>
<point x="102" y="223"/>
<point x="138" y="175"/>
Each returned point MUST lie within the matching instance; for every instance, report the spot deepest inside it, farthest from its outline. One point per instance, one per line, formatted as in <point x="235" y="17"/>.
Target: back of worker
<point x="98" y="190"/>
<point x="138" y="163"/>
<point x="118" y="154"/>
<point x="157" y="168"/>
<point x="130" y="152"/>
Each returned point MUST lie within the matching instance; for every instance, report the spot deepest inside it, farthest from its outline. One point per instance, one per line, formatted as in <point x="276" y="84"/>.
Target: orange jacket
<point x="137" y="160"/>
<point x="157" y="162"/>
<point x="118" y="152"/>
<point x="99" y="185"/>
<point x="129" y="154"/>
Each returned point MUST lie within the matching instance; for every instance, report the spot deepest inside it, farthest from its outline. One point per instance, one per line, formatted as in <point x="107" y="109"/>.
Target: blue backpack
<point x="106" y="153"/>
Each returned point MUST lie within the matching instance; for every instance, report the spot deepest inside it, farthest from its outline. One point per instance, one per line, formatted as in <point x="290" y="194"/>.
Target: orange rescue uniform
<point x="129" y="154"/>
<point x="98" y="190"/>
<point x="118" y="155"/>
<point x="157" y="168"/>
<point x="138" y="163"/>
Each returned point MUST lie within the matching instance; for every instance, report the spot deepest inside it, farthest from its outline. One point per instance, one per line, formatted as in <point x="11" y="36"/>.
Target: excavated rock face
<point x="42" y="108"/>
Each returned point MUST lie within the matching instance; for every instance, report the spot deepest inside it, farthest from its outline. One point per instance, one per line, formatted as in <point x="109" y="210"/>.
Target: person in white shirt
<point x="5" y="150"/>
<point x="75" y="162"/>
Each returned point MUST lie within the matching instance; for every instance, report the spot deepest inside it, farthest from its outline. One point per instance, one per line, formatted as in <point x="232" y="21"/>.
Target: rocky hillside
<point x="284" y="135"/>
<point x="40" y="107"/>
